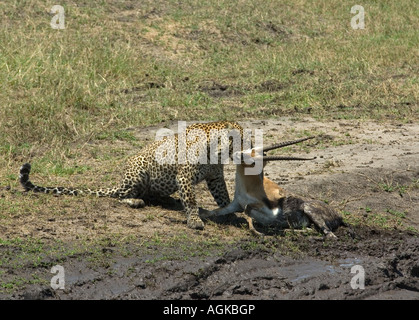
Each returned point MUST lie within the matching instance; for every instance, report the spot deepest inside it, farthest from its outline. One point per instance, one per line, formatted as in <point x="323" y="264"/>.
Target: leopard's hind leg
<point x="133" y="190"/>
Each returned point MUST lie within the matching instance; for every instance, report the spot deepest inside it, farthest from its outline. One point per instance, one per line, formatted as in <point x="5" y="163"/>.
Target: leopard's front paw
<point x="195" y="222"/>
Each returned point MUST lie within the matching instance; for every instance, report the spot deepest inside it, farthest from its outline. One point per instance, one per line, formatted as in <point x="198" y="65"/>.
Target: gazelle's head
<point x="254" y="159"/>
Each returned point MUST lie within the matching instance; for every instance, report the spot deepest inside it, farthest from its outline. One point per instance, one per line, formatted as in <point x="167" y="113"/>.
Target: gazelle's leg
<point x="230" y="208"/>
<point x="250" y="222"/>
<point x="248" y="216"/>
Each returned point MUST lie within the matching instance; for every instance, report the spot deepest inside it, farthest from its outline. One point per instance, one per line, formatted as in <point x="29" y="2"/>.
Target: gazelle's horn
<point x="284" y="144"/>
<point x="273" y="158"/>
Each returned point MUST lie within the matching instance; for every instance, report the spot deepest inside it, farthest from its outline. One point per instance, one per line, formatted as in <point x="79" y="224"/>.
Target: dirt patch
<point x="366" y="170"/>
<point x="272" y="85"/>
<point x="217" y="90"/>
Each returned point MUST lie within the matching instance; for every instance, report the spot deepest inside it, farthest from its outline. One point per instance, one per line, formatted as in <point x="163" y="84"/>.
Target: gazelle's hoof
<point x="252" y="227"/>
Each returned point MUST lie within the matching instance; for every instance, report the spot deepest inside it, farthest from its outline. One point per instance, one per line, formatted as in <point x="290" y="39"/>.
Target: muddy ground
<point x="368" y="171"/>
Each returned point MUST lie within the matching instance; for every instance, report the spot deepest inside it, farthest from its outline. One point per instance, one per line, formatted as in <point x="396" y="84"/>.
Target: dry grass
<point x="120" y="64"/>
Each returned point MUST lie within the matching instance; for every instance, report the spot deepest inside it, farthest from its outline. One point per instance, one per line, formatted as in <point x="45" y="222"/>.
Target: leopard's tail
<point x="29" y="186"/>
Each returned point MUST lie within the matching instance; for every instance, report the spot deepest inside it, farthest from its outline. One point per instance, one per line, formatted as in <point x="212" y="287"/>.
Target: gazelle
<point x="267" y="203"/>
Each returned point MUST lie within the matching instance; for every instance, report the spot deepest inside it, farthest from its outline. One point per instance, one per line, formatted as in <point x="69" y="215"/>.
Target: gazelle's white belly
<point x="262" y="214"/>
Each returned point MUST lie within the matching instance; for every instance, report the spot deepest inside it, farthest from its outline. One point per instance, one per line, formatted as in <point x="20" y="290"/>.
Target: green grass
<point x="116" y="65"/>
<point x="388" y="220"/>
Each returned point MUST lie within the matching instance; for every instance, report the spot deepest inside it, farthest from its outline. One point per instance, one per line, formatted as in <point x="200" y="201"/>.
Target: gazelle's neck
<point x="252" y="184"/>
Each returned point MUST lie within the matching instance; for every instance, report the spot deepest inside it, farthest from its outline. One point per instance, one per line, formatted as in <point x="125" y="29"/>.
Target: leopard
<point x="149" y="173"/>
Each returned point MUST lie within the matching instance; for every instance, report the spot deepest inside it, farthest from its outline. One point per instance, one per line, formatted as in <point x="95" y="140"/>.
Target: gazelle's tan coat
<point x="267" y="203"/>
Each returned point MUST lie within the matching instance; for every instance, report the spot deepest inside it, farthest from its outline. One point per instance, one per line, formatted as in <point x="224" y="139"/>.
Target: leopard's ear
<point x="229" y="125"/>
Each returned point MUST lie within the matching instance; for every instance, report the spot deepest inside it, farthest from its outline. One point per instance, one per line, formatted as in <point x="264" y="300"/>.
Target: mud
<point x="390" y="262"/>
<point x="366" y="170"/>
